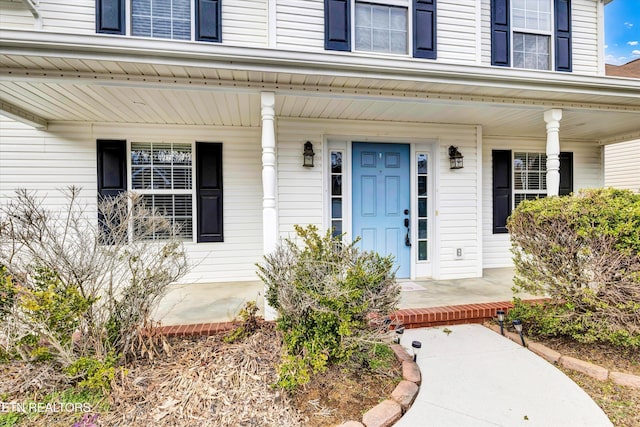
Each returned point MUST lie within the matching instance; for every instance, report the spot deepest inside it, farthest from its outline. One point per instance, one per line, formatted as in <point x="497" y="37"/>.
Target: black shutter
<point x="566" y="174"/>
<point x="563" y="34"/>
<point x="112" y="167"/>
<point x="500" y="33"/>
<point x="424" y="29"/>
<point x="208" y="20"/>
<point x="501" y="160"/>
<point x="110" y="17"/>
<point x="112" y="179"/>
<point x="209" y="191"/>
<point x="337" y="25"/>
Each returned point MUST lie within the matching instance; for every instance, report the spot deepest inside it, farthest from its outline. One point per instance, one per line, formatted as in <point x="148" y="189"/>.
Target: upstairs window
<point x="531" y="34"/>
<point x="166" y="19"/>
<point x="381" y="28"/>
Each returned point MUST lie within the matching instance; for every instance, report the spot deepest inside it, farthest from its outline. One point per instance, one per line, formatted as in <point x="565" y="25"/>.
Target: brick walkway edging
<point x="410" y="318"/>
<point x="594" y="371"/>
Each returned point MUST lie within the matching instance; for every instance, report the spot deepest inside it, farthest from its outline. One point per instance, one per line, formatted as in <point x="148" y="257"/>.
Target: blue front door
<point x="381" y="201"/>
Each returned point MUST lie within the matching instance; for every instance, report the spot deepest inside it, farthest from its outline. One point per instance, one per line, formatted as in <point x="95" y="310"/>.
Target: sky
<point x="622" y="31"/>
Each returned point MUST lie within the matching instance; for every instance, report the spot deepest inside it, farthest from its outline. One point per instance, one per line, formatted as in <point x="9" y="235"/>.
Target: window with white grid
<point x="529" y="176"/>
<point x="531" y="21"/>
<point x="167" y="19"/>
<point x="163" y="174"/>
<point x="381" y="28"/>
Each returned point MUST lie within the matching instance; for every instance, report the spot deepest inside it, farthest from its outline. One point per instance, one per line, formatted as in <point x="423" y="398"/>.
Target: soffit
<point x="91" y="90"/>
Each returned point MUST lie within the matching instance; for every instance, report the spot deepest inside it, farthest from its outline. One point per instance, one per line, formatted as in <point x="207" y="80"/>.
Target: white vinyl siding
<point x="65" y="155"/>
<point x="584" y="38"/>
<point x="622" y="165"/>
<point x="76" y="17"/>
<point x="301" y="191"/>
<point x="244" y="22"/>
<point x="587" y="173"/>
<point x="300" y="24"/>
<point x="457" y="31"/>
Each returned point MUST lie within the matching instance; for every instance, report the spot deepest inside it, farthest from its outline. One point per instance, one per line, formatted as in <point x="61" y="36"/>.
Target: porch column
<point x="269" y="214"/>
<point x="552" y="118"/>
<point x="269" y="218"/>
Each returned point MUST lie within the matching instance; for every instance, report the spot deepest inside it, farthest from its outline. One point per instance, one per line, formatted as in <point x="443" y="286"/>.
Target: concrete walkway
<point x="475" y="377"/>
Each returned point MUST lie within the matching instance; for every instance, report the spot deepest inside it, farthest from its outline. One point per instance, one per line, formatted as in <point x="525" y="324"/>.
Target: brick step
<point x="409" y="317"/>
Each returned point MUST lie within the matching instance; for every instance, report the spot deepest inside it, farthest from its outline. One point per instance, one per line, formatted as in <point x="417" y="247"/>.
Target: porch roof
<point x="47" y="77"/>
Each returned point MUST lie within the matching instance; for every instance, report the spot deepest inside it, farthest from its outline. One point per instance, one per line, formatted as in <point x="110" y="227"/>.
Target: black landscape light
<point x="399" y="332"/>
<point x="517" y="323"/>
<point x="500" y="314"/>
<point x="416" y="345"/>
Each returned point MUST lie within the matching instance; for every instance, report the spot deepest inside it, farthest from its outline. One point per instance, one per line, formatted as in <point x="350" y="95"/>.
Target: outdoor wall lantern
<point x="416" y="345"/>
<point x="518" y="325"/>
<point x="307" y="155"/>
<point x="500" y="314"/>
<point x="455" y="158"/>
<point x="399" y="332"/>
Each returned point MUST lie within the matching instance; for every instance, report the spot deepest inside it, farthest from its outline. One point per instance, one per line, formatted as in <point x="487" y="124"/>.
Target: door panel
<point x="381" y="194"/>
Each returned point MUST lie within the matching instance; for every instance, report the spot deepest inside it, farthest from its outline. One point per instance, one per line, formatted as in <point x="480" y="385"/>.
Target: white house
<point x="206" y="107"/>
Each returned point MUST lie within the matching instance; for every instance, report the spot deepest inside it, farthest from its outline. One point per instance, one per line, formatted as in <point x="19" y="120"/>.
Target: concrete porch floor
<point x="221" y="302"/>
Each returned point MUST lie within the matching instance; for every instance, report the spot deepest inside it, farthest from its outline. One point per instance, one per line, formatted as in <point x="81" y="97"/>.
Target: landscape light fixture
<point x="399" y="332"/>
<point x="500" y="314"/>
<point x="455" y="158"/>
<point x="416" y="345"/>
<point x="517" y="323"/>
<point x="307" y="155"/>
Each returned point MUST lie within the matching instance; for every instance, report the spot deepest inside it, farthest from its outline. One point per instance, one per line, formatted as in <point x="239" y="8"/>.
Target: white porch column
<point x="269" y="213"/>
<point x="269" y="218"/>
<point x="552" y="118"/>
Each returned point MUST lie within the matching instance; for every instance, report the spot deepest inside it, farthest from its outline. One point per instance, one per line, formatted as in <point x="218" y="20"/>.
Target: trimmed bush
<point x="584" y="253"/>
<point x="328" y="296"/>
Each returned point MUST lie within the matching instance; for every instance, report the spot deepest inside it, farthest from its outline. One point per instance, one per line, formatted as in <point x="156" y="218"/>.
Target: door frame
<point x="419" y="269"/>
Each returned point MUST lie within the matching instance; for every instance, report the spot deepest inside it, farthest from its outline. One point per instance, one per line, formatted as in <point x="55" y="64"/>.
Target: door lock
<point x="407" y="238"/>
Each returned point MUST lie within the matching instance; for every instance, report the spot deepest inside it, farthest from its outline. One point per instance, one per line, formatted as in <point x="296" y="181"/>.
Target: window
<point x="531" y="34"/>
<point x="162" y="173"/>
<point x="168" y="19"/>
<point x="423" y="204"/>
<point x="182" y="182"/>
<point x="381" y="28"/>
<point x="384" y="26"/>
<point x="529" y="176"/>
<point x="336" y="192"/>
<point x="522" y="176"/>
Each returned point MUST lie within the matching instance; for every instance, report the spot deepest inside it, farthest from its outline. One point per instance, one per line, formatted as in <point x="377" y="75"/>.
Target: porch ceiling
<point x="91" y="90"/>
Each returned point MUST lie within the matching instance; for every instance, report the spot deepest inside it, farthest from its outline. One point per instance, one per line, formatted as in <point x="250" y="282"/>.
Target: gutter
<point x="102" y="47"/>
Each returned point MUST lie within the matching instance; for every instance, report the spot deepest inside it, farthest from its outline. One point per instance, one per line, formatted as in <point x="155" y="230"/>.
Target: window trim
<point x="406" y="4"/>
<point x="542" y="191"/>
<point x="513" y="29"/>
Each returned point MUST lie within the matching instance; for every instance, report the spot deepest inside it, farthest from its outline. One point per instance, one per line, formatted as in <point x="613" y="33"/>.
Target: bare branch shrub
<point x="584" y="253"/>
<point x="83" y="287"/>
<point x="330" y="299"/>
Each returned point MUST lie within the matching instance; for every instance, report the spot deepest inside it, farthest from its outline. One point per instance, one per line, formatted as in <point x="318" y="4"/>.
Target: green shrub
<point x="327" y="294"/>
<point x="93" y="374"/>
<point x="583" y="252"/>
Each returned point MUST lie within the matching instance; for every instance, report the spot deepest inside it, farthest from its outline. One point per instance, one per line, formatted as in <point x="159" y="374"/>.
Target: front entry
<point x="381" y="201"/>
